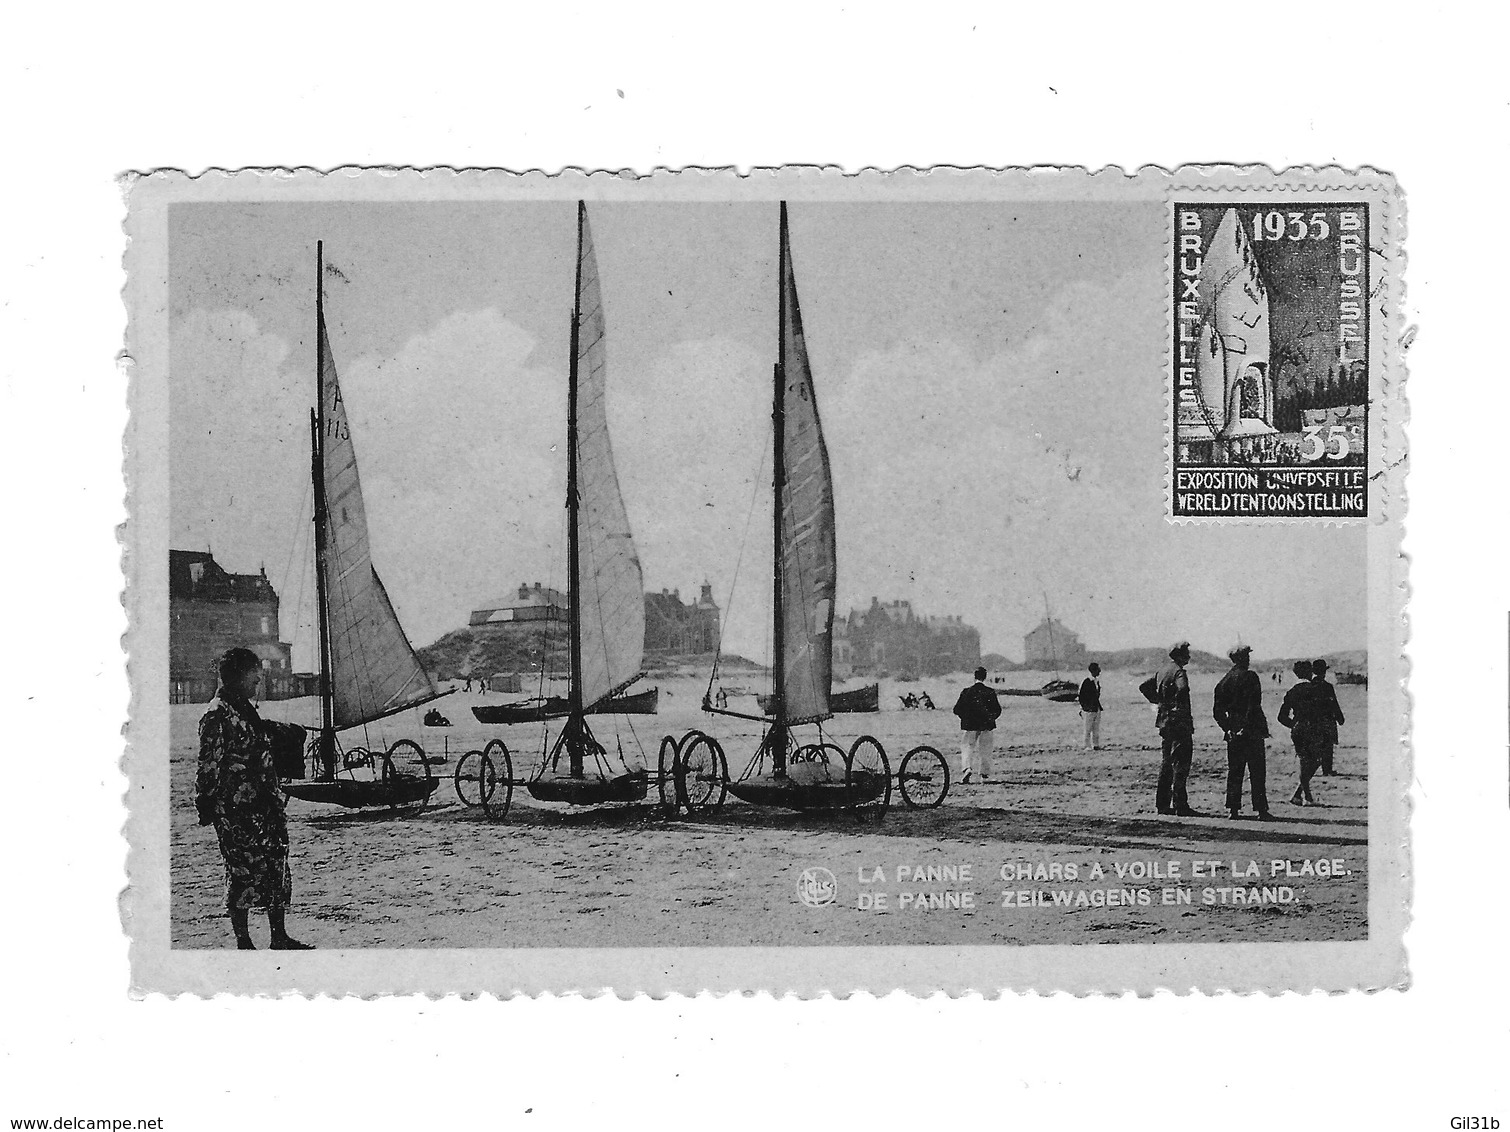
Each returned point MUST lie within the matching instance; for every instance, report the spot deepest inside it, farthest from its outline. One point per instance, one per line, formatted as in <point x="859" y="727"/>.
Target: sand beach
<point x="626" y="876"/>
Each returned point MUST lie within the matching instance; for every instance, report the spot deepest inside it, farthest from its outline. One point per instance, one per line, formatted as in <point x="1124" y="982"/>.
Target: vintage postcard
<point x="963" y="581"/>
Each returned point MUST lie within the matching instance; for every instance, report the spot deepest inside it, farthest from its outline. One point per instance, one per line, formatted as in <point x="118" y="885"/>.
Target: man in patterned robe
<point x="237" y="791"/>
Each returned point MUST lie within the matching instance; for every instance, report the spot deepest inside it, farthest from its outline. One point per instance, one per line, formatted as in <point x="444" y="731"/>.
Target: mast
<point x="573" y="560"/>
<point x="327" y="746"/>
<point x="778" y="491"/>
<point x="1048" y="620"/>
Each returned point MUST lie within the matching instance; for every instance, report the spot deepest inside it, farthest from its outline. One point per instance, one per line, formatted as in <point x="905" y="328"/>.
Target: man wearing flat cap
<point x="1238" y="706"/>
<point x="1177" y="729"/>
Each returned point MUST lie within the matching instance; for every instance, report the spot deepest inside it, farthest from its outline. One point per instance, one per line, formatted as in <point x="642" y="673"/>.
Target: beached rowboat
<point x="556" y="707"/>
<point x="855" y="701"/>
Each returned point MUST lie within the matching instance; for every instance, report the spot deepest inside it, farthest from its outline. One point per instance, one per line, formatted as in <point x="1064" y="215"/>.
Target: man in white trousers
<point x="1090" y="707"/>
<point x="978" y="709"/>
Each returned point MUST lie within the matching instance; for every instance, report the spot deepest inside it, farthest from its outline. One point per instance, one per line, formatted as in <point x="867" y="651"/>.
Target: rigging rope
<point x="298" y="541"/>
<point x="744" y="540"/>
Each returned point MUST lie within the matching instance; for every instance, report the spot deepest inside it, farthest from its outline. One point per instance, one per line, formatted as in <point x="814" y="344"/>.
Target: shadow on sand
<point x="979" y="823"/>
<point x="950" y="822"/>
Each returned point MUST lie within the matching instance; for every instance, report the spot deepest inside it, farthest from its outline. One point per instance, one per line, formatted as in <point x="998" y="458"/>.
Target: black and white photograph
<point x="795" y="569"/>
<point x="815" y="566"/>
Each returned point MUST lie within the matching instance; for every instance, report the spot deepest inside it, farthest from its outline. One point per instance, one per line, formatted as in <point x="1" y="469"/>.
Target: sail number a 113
<point x="1277" y="225"/>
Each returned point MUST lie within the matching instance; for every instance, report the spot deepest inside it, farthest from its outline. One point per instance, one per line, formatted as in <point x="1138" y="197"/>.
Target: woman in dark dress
<point x="237" y="792"/>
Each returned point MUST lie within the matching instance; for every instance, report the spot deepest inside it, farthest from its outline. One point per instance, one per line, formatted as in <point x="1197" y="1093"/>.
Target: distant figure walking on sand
<point x="1090" y="707"/>
<point x="978" y="710"/>
<point x="1171" y="688"/>
<point x="1238" y="706"/>
<point x="237" y="791"/>
<point x="469" y="684"/>
<point x="1299" y="713"/>
<point x="1331" y="714"/>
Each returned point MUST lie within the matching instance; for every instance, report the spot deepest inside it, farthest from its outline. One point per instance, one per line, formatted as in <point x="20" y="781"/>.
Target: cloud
<point x="986" y="486"/>
<point x="691" y="439"/>
<point x="454" y="436"/>
<point x="973" y="485"/>
<point x="239" y="431"/>
<point x="461" y="443"/>
<point x="968" y="484"/>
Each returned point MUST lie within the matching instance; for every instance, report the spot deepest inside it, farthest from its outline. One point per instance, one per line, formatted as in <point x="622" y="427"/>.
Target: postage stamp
<point x="963" y="581"/>
<point x="1272" y="303"/>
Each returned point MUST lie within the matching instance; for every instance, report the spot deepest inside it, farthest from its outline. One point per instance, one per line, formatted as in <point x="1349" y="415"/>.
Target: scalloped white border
<point x="1376" y="963"/>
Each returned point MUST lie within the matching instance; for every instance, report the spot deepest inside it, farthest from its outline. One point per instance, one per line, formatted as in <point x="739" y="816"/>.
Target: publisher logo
<point x="817" y="887"/>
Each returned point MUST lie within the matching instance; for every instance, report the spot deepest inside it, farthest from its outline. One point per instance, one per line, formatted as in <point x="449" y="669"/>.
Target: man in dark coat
<point x="1299" y="713"/>
<point x="1090" y="707"/>
<point x="1238" y="706"/>
<point x="978" y="709"/>
<point x="1331" y="714"/>
<point x="1177" y="729"/>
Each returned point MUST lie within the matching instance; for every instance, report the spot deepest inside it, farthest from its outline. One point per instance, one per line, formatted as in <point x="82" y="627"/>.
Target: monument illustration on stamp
<point x="1271" y="357"/>
<point x="803" y="582"/>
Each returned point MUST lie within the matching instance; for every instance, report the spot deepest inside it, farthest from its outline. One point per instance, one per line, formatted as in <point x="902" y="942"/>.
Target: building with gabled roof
<point x="676" y="627"/>
<point x="891" y="638"/>
<point x="535" y="606"/>
<point x="1052" y="645"/>
<point x="211" y="610"/>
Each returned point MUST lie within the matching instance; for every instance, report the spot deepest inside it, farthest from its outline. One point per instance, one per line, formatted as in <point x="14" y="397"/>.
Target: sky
<point x="991" y="379"/>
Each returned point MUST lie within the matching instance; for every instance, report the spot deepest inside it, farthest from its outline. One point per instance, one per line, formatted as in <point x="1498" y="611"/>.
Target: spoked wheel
<point x="387" y="774"/>
<point x="394" y="779"/>
<point x="923" y="778"/>
<point x="824" y="754"/>
<point x="485" y="779"/>
<point x="818" y="765"/>
<point x="665" y="771"/>
<point x="702" y="773"/>
<point x="669" y="781"/>
<point x="500" y="795"/>
<point x="474" y="779"/>
<point x="407" y="751"/>
<point x="867" y="776"/>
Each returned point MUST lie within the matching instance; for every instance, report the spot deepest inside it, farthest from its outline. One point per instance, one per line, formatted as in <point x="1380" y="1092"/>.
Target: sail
<point x="808" y="554"/>
<point x="610" y="592"/>
<point x="373" y="669"/>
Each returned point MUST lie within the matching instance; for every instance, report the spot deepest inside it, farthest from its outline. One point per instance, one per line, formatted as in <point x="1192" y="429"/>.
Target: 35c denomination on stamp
<point x="1271" y="352"/>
